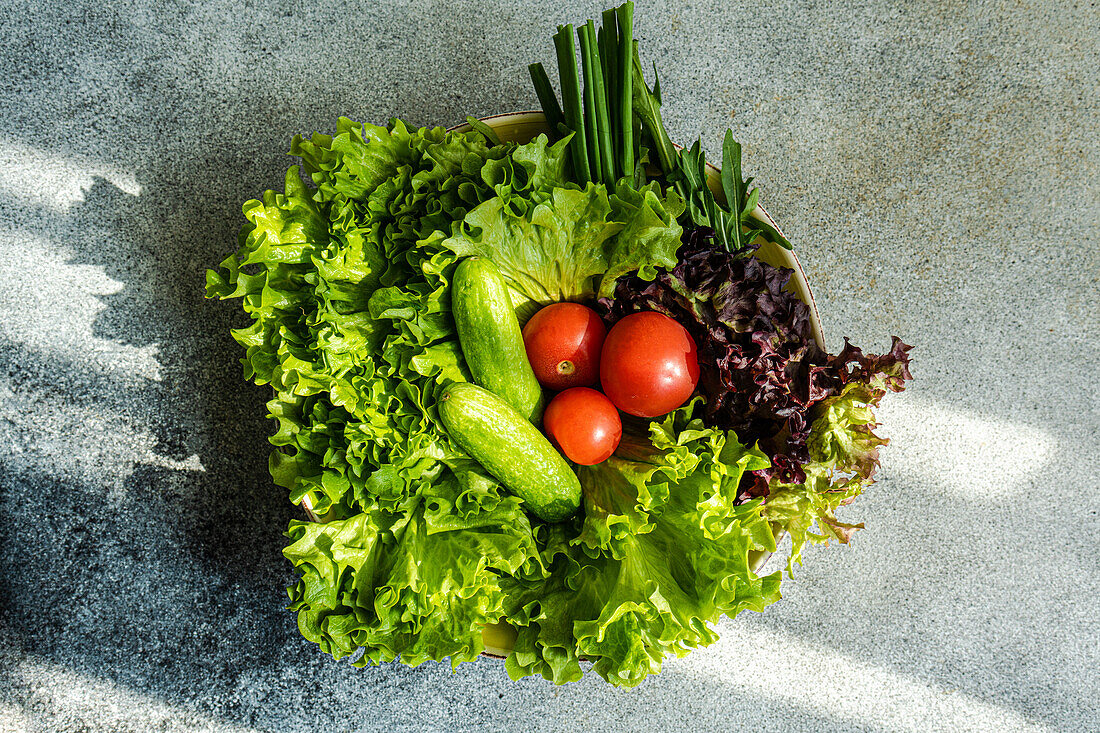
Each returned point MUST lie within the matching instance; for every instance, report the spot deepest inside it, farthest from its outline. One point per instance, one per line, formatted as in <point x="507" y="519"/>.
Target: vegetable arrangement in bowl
<point x="543" y="392"/>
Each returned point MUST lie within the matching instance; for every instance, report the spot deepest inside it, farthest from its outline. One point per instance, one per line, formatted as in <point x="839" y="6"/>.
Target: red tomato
<point x="563" y="343"/>
<point x="584" y="425"/>
<point x="649" y="364"/>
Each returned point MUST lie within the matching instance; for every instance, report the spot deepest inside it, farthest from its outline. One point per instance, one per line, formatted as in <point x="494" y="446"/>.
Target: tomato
<point x="563" y="343"/>
<point x="649" y="364"/>
<point x="584" y="425"/>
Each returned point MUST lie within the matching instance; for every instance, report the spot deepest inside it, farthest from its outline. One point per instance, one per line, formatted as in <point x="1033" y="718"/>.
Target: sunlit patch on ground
<point x="52" y="180"/>
<point x="980" y="454"/>
<point x="844" y="688"/>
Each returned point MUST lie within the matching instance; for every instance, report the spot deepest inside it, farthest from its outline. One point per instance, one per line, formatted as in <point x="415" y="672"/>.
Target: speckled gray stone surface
<point x="936" y="164"/>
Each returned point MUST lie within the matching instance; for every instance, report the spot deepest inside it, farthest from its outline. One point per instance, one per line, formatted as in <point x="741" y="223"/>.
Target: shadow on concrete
<point x="165" y="576"/>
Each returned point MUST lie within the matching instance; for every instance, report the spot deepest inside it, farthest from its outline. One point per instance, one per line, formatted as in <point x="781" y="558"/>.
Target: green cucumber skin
<point x="491" y="340"/>
<point x="511" y="449"/>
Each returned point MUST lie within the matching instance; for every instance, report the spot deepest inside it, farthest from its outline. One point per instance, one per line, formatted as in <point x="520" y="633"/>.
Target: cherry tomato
<point x="584" y="425"/>
<point x="649" y="364"/>
<point x="563" y="343"/>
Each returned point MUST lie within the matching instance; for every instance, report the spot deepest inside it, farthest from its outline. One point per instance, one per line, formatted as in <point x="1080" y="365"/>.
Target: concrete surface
<point x="936" y="164"/>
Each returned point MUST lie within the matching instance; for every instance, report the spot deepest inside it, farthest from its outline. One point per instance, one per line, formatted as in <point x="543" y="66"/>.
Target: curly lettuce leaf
<point x="409" y="586"/>
<point x="531" y="170"/>
<point x="663" y="552"/>
<point x="843" y="456"/>
<point x="351" y="322"/>
<point x="650" y="235"/>
<point x="573" y="244"/>
<point x="347" y="289"/>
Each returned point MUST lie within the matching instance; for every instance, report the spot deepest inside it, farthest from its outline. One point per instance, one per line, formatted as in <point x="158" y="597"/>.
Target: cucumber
<point x="491" y="340"/>
<point x="511" y="449"/>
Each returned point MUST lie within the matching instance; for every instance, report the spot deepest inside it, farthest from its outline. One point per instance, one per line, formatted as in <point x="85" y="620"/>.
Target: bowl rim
<point x="785" y="257"/>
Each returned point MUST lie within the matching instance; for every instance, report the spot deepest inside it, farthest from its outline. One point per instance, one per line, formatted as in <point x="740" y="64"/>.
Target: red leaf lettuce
<point x="762" y="373"/>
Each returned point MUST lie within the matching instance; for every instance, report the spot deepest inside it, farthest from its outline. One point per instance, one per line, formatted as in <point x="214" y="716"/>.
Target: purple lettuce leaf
<point x="762" y="373"/>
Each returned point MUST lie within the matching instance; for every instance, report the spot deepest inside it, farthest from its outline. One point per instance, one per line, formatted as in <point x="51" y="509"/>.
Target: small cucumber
<point x="491" y="340"/>
<point x="511" y="449"/>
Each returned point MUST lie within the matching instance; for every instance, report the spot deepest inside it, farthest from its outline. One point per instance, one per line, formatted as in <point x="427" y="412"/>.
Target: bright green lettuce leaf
<point x="842" y="436"/>
<point x="556" y="251"/>
<point x="650" y="236"/>
<point x="351" y="322"/>
<point x="403" y="586"/>
<point x="542" y="166"/>
<point x="664" y="551"/>
<point x="574" y="244"/>
<point x="352" y="329"/>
